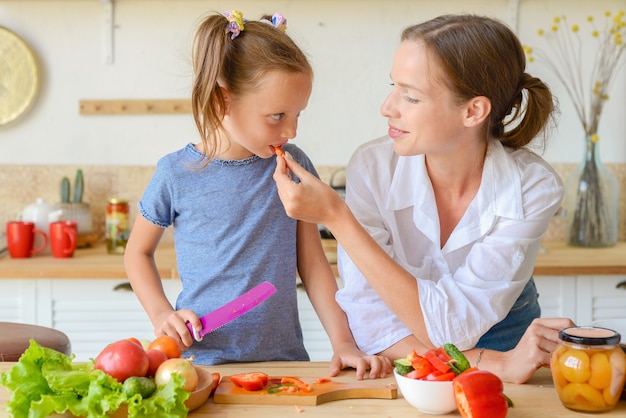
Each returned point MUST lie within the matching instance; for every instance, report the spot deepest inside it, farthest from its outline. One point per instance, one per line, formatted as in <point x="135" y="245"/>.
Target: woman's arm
<point x="313" y="201"/>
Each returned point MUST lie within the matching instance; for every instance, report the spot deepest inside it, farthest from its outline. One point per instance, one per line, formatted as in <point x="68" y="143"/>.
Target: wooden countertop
<point x="559" y="259"/>
<point x="536" y="399"/>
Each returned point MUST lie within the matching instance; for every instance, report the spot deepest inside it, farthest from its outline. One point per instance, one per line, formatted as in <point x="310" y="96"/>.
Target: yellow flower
<point x="567" y="58"/>
<point x="595" y="138"/>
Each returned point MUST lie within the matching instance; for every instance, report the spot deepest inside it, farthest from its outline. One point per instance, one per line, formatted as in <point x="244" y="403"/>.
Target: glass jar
<point x="588" y="368"/>
<point x="117" y="226"/>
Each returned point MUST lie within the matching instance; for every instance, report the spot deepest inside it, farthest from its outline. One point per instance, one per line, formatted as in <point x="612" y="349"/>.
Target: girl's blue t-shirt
<point x="231" y="233"/>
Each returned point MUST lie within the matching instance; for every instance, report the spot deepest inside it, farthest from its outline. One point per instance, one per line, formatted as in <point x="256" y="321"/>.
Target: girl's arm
<point x="321" y="286"/>
<point x="144" y="277"/>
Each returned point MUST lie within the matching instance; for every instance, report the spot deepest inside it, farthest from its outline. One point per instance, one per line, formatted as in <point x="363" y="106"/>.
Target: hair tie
<point x="235" y="23"/>
<point x="278" y="21"/>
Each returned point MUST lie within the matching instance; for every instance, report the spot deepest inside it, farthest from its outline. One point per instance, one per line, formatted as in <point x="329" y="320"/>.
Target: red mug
<point x="20" y="239"/>
<point x="63" y="237"/>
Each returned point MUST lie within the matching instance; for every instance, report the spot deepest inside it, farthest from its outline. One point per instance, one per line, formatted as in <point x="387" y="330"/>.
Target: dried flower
<point x="566" y="60"/>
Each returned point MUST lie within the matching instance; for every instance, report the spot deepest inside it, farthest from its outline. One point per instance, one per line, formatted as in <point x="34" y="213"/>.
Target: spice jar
<point x="588" y="368"/>
<point x="117" y="226"/>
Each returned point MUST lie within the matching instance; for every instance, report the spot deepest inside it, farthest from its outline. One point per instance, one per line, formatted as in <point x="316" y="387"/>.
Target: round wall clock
<point x="19" y="81"/>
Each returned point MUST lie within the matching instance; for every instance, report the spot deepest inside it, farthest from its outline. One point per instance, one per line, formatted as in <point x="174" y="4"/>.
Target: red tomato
<point x="252" y="381"/>
<point x="136" y="341"/>
<point x="166" y="344"/>
<point x="123" y="359"/>
<point x="156" y="358"/>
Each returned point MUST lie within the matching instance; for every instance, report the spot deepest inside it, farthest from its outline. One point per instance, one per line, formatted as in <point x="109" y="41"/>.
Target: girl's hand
<point x="311" y="200"/>
<point x="350" y="356"/>
<point x="174" y="324"/>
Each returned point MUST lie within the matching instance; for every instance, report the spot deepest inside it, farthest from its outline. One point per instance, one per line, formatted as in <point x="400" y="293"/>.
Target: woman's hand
<point x="311" y="200"/>
<point x="532" y="352"/>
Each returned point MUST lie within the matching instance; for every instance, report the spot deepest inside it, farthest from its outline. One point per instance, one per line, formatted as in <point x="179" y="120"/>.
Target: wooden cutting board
<point x="228" y="393"/>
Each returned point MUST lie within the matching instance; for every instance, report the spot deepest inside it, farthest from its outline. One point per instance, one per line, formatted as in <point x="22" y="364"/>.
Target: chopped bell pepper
<point x="253" y="381"/>
<point x="479" y="394"/>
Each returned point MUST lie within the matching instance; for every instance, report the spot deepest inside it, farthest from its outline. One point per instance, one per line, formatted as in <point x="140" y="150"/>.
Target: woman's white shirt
<point x="469" y="285"/>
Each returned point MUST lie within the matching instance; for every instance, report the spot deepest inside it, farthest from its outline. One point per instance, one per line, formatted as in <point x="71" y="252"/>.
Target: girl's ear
<point x="477" y="110"/>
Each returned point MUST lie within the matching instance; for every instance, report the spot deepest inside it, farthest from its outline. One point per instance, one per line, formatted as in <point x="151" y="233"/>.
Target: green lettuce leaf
<point x="45" y="381"/>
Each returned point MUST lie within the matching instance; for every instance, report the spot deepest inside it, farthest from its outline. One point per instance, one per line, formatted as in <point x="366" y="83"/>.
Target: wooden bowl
<point x="197" y="398"/>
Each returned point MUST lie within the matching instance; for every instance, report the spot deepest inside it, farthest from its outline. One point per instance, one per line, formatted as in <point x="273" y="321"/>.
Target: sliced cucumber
<point x="403" y="365"/>
<point x="461" y="363"/>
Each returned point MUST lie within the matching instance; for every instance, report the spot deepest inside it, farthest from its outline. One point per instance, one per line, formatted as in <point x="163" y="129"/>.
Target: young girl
<point x="443" y="216"/>
<point x="230" y="229"/>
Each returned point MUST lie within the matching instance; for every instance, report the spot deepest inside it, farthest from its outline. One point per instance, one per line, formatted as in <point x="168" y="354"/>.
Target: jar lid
<point x="590" y="335"/>
<point x="117" y="200"/>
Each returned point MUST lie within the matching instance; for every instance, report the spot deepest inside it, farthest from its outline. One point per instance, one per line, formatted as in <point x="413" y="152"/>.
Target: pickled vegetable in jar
<point x="117" y="226"/>
<point x="588" y="368"/>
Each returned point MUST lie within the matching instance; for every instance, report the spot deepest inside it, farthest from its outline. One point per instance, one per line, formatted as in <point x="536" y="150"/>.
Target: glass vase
<point x="591" y="202"/>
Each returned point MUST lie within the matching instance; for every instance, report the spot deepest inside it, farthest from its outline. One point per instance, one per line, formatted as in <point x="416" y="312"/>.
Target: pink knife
<point x="233" y="309"/>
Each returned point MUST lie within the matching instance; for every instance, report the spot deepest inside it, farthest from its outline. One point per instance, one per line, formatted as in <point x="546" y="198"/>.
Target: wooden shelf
<point x="135" y="106"/>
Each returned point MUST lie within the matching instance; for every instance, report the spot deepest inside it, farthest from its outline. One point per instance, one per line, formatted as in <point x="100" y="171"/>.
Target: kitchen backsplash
<point x="22" y="185"/>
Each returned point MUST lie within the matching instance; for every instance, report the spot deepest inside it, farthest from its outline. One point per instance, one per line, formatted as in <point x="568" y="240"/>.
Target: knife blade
<point x="233" y="309"/>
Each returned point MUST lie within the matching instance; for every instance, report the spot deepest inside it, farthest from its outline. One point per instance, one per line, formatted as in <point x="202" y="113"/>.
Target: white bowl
<point x="427" y="396"/>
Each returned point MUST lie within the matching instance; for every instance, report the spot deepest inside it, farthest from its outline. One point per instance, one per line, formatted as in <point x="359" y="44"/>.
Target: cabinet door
<point x="96" y="312"/>
<point x="601" y="297"/>
<point x="557" y="296"/>
<point x="18" y="301"/>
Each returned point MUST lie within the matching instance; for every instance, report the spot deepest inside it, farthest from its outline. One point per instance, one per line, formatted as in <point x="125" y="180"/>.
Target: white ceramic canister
<point x="38" y="213"/>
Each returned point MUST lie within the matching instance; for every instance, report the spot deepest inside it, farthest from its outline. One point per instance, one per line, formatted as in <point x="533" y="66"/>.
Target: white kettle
<point x="38" y="213"/>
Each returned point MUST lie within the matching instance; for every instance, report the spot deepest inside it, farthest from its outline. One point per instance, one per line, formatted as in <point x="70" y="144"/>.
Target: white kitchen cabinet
<point x="584" y="299"/>
<point x="91" y="312"/>
<point x="17" y="301"/>
<point x="600" y="297"/>
<point x="94" y="313"/>
<point x="557" y="296"/>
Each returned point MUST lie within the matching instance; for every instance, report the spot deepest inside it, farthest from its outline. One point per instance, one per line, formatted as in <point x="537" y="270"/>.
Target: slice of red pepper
<point x="253" y="381"/>
<point x="439" y="364"/>
<point x="479" y="393"/>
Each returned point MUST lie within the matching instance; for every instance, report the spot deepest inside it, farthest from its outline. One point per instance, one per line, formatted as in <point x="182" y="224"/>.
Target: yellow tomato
<point x="600" y="370"/>
<point x="574" y="365"/>
<point x="582" y="397"/>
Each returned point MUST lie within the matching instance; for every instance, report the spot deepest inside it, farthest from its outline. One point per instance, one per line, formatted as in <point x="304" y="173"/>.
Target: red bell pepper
<point x="253" y="381"/>
<point x="479" y="394"/>
<point x="435" y="358"/>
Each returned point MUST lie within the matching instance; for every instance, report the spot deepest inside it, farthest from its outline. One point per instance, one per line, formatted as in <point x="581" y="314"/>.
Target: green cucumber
<point x="144" y="386"/>
<point x="403" y="366"/>
<point x="459" y="362"/>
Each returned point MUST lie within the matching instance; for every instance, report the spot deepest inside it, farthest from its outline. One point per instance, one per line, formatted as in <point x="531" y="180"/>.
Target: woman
<point x="443" y="216"/>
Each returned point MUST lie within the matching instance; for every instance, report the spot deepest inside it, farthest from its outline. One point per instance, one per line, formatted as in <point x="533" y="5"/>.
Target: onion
<point x="180" y="366"/>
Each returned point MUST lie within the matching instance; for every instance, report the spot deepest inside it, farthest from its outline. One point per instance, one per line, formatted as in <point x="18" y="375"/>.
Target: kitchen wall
<point x="141" y="51"/>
